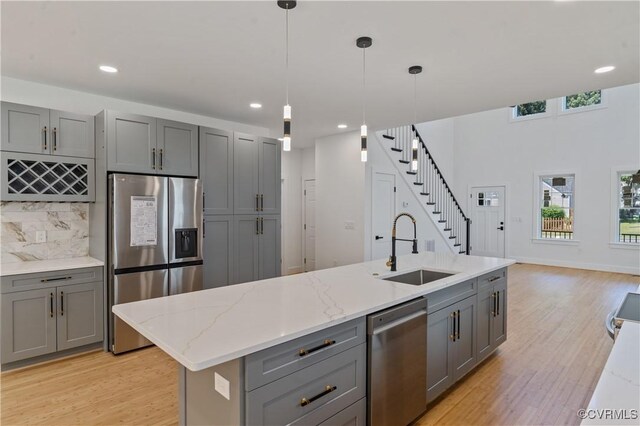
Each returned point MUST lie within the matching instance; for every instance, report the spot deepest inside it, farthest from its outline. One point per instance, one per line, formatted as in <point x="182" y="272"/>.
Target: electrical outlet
<point x="41" y="236"/>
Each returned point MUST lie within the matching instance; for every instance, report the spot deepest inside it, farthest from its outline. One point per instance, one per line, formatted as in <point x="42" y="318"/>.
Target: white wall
<point x="406" y="201"/>
<point x="43" y="95"/>
<point x="490" y="149"/>
<point x="340" y="192"/>
<point x="439" y="136"/>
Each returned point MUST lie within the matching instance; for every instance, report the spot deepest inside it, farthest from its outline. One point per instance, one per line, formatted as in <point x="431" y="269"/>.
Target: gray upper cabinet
<point x="269" y="175"/>
<point x="218" y="251"/>
<point x="28" y="324"/>
<point x="216" y="170"/>
<point x="25" y="128"/>
<point x="72" y="134"/>
<point x="269" y="247"/>
<point x="246" y="195"/>
<point x="131" y="143"/>
<point x="177" y="148"/>
<point x="80" y="319"/>
<point x="245" y="251"/>
<point x="35" y="130"/>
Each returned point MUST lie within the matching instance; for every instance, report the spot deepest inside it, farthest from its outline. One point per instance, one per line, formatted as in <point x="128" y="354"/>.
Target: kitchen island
<point x="230" y="341"/>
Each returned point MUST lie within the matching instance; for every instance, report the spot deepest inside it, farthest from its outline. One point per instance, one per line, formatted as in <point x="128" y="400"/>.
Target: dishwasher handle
<point x="382" y="329"/>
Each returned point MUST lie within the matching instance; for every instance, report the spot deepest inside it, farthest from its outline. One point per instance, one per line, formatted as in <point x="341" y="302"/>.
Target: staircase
<point x="429" y="185"/>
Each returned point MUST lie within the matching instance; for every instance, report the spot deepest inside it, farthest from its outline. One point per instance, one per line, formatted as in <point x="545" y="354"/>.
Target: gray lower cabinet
<point x="492" y="313"/>
<point x="256" y="251"/>
<point x="36" y="130"/>
<point x="48" y="312"/>
<point x="354" y="415"/>
<point x="246" y="181"/>
<point x="216" y="170"/>
<point x="218" y="251"/>
<point x="177" y="148"/>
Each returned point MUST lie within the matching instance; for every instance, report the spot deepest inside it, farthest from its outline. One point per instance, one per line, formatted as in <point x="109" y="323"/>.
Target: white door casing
<point x="383" y="201"/>
<point x="309" y="225"/>
<point x="488" y="204"/>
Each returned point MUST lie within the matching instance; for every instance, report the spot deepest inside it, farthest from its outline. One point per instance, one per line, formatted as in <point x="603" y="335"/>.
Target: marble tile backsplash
<point x="66" y="226"/>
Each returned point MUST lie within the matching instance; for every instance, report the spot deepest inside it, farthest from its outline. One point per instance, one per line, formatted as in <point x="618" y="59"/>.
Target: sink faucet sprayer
<point x="392" y="259"/>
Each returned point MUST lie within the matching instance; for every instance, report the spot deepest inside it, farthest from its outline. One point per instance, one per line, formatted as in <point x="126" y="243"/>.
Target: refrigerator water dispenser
<point x="186" y="243"/>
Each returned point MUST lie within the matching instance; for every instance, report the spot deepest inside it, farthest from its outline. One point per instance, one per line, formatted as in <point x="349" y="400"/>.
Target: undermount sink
<point x="419" y="277"/>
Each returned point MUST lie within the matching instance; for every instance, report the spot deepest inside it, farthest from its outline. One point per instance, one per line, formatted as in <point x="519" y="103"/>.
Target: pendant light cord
<point x="287" y="53"/>
<point x="415" y="99"/>
<point x="364" y="87"/>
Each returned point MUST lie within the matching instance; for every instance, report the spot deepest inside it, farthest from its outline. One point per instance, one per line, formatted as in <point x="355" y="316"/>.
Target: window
<point x="628" y="206"/>
<point x="582" y="100"/>
<point x="556" y="206"/>
<point x="530" y="108"/>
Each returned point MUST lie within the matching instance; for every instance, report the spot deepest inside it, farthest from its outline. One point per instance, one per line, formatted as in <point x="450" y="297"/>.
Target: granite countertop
<point x="619" y="385"/>
<point x="209" y="327"/>
<point x="17" y="268"/>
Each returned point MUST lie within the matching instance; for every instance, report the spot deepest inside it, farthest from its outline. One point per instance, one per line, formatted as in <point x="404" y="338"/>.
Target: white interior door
<point x="309" y="225"/>
<point x="383" y="202"/>
<point x="487" y="221"/>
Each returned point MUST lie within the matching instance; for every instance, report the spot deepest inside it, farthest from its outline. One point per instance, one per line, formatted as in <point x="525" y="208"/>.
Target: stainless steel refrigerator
<point x="155" y="244"/>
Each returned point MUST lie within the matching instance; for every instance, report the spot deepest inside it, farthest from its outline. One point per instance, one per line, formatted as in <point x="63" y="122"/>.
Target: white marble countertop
<point x="16" y="268"/>
<point x="209" y="327"/>
<point x="619" y="385"/>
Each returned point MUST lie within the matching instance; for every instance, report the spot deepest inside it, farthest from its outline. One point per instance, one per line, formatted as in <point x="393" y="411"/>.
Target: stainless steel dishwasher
<point x="397" y="364"/>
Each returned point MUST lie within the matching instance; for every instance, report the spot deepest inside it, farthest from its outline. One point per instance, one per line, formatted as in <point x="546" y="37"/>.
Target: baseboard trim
<point x="52" y="357"/>
<point x="579" y="265"/>
<point x="291" y="270"/>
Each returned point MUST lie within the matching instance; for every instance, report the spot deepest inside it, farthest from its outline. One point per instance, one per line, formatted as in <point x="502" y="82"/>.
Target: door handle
<point x="453" y="318"/>
<point x="493" y="301"/>
<point x="257" y="226"/>
<point x="257" y="202"/>
<point x="378" y="237"/>
<point x="62" y="303"/>
<point x="153" y="158"/>
<point x="501" y="228"/>
<point x="51" y="305"/>
<point x="161" y="158"/>
<point x="55" y="138"/>
<point x="458" y="321"/>
<point x="261" y="202"/>
<point x="204" y="228"/>
<point x="497" y="303"/>
<point x="261" y="225"/>
<point x="44" y="131"/>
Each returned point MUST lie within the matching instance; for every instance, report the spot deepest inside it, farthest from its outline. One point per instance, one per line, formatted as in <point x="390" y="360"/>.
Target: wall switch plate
<point x="349" y="224"/>
<point x="41" y="236"/>
<point x="221" y="386"/>
<point x="405" y="204"/>
<point x="430" y="245"/>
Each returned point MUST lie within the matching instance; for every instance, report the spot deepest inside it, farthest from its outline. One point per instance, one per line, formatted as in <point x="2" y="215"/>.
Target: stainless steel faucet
<point x="392" y="259"/>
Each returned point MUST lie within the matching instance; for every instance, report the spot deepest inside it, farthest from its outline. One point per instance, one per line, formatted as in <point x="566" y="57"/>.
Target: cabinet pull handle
<point x="161" y="158"/>
<point x="458" y="320"/>
<point x="51" y="305"/>
<point x="261" y="225"/>
<point x="62" y="303"/>
<point x="492" y="279"/>
<point x="327" y="390"/>
<point x="46" y="280"/>
<point x="261" y="202"/>
<point x="498" y="303"/>
<point x="325" y="344"/>
<point x="257" y="226"/>
<point x="493" y="301"/>
<point x="204" y="228"/>
<point x="453" y="326"/>
<point x="203" y="201"/>
<point x="44" y="131"/>
<point x="153" y="158"/>
<point x="257" y="203"/>
<point x="55" y="138"/>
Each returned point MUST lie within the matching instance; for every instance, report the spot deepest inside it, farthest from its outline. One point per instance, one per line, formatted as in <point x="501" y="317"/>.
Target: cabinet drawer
<point x="447" y="296"/>
<point x="492" y="278"/>
<point x="353" y="415"/>
<point x="12" y="283"/>
<point x="313" y="394"/>
<point x="273" y="363"/>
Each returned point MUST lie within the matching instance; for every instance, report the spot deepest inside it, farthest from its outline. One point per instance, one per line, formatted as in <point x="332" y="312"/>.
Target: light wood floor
<point x="543" y="374"/>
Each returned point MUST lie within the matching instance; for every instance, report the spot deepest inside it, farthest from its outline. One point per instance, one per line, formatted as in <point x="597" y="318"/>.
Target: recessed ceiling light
<point x="602" y="70"/>
<point x="108" y="68"/>
<point x="342" y="126"/>
<point x="255" y="105"/>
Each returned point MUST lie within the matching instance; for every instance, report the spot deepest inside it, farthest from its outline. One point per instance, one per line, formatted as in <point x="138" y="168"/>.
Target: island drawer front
<point x="329" y="386"/>
<point x="492" y="278"/>
<point x="22" y="282"/>
<point x="273" y="363"/>
<point x="450" y="295"/>
<point x="353" y="415"/>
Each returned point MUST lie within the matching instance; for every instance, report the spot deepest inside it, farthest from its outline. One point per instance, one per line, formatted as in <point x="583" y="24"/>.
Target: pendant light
<point x="286" y="140"/>
<point x="415" y="70"/>
<point x="363" y="43"/>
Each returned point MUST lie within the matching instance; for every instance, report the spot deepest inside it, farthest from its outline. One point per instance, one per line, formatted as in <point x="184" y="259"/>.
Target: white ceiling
<point x="214" y="58"/>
